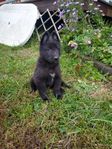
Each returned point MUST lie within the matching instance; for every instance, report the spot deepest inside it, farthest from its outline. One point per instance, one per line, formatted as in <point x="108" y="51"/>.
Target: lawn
<point x="81" y="120"/>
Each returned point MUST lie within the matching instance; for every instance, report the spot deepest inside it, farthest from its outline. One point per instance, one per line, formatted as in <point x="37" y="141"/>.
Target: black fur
<point x="47" y="73"/>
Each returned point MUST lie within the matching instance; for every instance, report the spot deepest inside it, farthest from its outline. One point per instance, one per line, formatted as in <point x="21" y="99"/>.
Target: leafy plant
<point x="87" y="33"/>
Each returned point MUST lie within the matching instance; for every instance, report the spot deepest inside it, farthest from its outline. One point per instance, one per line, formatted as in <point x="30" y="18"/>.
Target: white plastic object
<point x="17" y="23"/>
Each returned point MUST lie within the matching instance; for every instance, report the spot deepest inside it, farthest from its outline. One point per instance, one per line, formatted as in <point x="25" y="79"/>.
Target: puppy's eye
<point x="47" y="50"/>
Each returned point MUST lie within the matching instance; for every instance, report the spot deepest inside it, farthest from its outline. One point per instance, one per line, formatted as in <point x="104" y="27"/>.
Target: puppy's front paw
<point x="59" y="95"/>
<point x="45" y="98"/>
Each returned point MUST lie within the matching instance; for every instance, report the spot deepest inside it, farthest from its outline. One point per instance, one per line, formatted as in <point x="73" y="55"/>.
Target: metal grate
<point x="52" y="25"/>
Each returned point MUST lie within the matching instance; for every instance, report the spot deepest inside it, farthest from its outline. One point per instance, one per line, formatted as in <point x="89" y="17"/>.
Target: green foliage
<point x="97" y="43"/>
<point x="88" y="31"/>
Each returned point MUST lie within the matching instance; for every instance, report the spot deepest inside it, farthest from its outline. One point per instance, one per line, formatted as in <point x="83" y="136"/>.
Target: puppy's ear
<point x="44" y="38"/>
<point x="55" y="36"/>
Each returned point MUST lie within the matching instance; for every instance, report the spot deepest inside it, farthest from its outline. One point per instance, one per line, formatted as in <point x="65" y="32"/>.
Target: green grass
<point x="82" y="119"/>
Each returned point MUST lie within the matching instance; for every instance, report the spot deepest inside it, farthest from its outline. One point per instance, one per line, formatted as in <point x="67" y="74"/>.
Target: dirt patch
<point x="31" y="139"/>
<point x="23" y="135"/>
<point x="75" y="141"/>
<point x="3" y="115"/>
<point x="27" y="53"/>
<point x="105" y="91"/>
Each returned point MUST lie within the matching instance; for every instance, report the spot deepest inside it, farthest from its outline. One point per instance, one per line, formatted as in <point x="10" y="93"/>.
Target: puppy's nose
<point x="56" y="58"/>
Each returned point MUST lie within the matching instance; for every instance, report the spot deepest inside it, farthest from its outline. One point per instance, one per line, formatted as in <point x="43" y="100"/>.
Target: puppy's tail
<point x="33" y="85"/>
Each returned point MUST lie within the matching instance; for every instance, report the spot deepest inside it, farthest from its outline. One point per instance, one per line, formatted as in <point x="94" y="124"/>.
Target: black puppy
<point x="47" y="73"/>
